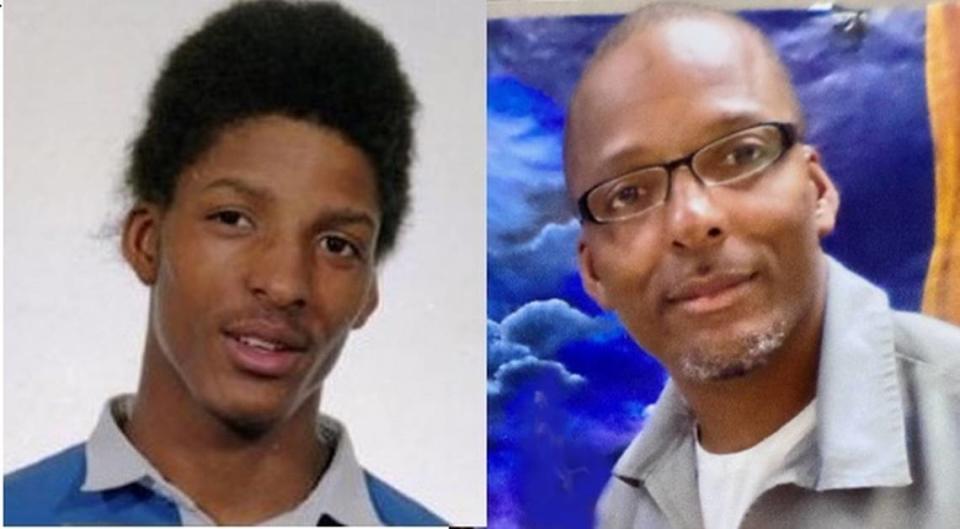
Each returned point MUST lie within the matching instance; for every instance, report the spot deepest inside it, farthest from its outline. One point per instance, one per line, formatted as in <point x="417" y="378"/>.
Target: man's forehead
<point x="651" y="77"/>
<point x="686" y="47"/>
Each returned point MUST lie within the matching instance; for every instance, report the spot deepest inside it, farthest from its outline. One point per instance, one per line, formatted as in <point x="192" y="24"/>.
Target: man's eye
<point x="231" y="218"/>
<point x="744" y="155"/>
<point x="339" y="246"/>
<point x="626" y="197"/>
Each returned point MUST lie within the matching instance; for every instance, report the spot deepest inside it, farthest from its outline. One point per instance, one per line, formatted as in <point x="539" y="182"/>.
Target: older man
<point x="798" y="397"/>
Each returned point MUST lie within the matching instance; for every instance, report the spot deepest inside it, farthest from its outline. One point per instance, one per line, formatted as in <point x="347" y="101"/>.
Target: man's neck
<point x="735" y="414"/>
<point x="225" y="472"/>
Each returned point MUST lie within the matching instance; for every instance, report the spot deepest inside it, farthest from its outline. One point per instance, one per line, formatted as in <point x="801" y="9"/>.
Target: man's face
<point x="262" y="265"/>
<point x="716" y="279"/>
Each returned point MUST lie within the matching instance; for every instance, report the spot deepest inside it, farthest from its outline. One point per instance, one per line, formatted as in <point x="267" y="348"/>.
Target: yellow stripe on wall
<point x="941" y="293"/>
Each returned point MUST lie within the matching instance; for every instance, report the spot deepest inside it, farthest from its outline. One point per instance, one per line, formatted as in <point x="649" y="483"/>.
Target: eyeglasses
<point x="724" y="161"/>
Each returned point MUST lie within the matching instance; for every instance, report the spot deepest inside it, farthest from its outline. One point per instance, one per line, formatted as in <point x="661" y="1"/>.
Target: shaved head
<point x="653" y="15"/>
<point x="680" y="23"/>
<point x="666" y="83"/>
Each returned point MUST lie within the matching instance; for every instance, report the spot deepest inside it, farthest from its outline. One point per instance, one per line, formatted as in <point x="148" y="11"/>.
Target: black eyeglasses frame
<point x="789" y="136"/>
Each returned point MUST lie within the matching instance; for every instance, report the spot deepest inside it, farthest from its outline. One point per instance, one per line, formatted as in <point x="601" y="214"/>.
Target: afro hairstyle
<point x="309" y="61"/>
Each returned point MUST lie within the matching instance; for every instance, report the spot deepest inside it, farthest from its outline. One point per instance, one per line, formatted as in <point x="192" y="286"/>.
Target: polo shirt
<point x="107" y="481"/>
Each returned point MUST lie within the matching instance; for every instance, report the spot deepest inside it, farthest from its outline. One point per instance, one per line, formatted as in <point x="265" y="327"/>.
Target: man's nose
<point x="695" y="219"/>
<point x="279" y="273"/>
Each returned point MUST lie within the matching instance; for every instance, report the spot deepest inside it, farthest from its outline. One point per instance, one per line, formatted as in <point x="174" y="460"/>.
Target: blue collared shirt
<point x="341" y="492"/>
<point x="106" y="481"/>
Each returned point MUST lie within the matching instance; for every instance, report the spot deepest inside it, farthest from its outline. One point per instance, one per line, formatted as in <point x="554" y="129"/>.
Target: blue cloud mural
<point x="567" y="387"/>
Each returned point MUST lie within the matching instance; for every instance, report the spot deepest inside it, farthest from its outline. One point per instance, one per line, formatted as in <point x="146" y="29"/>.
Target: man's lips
<point x="268" y="334"/>
<point x="710" y="292"/>
<point x="265" y="347"/>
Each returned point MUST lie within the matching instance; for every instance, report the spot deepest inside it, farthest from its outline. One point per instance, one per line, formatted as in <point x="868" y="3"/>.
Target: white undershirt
<point x="729" y="483"/>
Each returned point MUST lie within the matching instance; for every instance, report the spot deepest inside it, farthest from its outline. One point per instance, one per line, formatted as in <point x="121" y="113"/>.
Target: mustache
<point x="270" y="325"/>
<point x="702" y="274"/>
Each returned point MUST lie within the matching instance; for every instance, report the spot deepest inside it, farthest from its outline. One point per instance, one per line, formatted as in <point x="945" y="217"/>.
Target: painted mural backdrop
<point x="567" y="389"/>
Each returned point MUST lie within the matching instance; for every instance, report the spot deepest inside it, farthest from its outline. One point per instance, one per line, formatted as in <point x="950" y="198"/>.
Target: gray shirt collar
<point x="341" y="492"/>
<point x="860" y="436"/>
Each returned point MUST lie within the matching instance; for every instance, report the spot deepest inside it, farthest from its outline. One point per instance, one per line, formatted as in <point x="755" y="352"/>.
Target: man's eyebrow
<point x="335" y="217"/>
<point x="726" y="123"/>
<point x="238" y="185"/>
<point x="733" y="121"/>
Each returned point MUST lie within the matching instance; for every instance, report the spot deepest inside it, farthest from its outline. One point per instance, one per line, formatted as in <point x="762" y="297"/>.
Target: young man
<point x="269" y="180"/>
<point x="798" y="397"/>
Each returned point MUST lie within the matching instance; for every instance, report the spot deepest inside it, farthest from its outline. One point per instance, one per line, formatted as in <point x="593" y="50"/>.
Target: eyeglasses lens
<point x="724" y="161"/>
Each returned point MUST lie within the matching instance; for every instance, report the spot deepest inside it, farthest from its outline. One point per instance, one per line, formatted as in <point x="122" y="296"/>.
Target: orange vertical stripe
<point x="941" y="293"/>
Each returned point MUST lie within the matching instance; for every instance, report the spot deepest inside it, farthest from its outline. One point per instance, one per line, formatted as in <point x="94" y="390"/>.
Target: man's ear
<point x="827" y="197"/>
<point x="141" y="240"/>
<point x="588" y="275"/>
<point x="369" y="304"/>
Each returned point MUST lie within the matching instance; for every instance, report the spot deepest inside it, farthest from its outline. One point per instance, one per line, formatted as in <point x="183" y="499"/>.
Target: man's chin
<point x="728" y="357"/>
<point x="249" y="424"/>
<point x="249" y="418"/>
